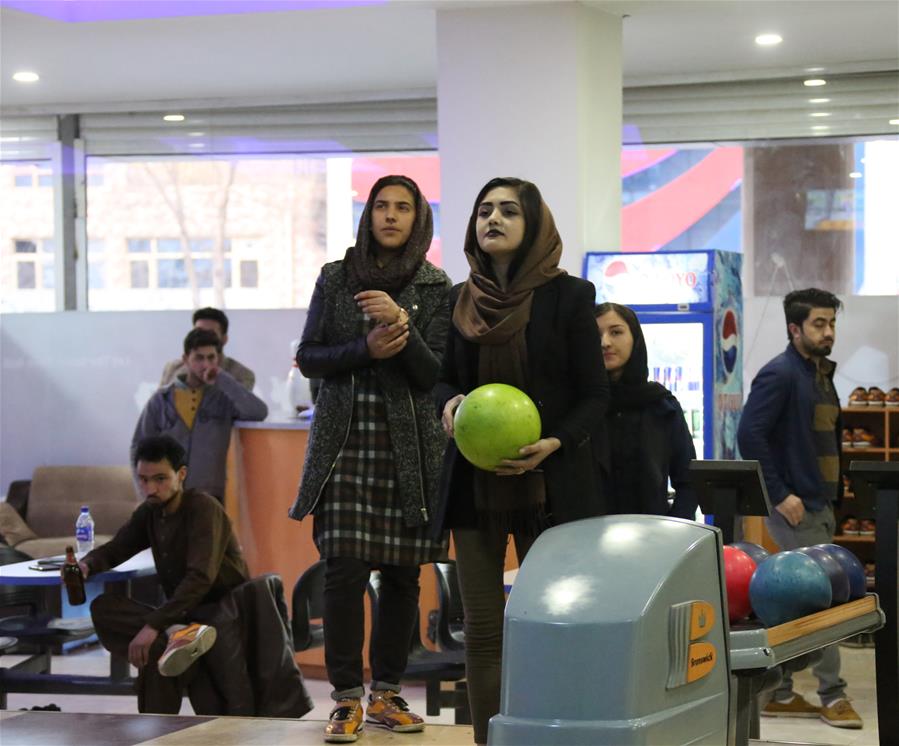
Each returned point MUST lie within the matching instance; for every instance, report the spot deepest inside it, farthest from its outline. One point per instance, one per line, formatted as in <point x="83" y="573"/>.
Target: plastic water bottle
<point x="84" y="531"/>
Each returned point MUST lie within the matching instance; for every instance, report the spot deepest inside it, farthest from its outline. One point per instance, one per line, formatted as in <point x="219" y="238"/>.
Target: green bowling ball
<point x="493" y="422"/>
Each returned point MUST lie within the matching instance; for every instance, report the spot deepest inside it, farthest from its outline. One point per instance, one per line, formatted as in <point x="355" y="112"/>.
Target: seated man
<point x="213" y="320"/>
<point x="197" y="409"/>
<point x="198" y="560"/>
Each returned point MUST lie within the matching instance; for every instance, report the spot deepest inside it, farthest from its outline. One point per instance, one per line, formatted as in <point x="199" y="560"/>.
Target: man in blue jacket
<point x="791" y="425"/>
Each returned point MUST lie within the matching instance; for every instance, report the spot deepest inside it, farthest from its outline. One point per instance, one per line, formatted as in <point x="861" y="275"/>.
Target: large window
<point x="249" y="232"/>
<point x="253" y="231"/>
<point x="27" y="260"/>
<point x="804" y="214"/>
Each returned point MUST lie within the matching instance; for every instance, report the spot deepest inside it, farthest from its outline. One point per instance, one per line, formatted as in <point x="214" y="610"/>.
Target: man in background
<point x="791" y="425"/>
<point x="214" y="320"/>
<point x="198" y="410"/>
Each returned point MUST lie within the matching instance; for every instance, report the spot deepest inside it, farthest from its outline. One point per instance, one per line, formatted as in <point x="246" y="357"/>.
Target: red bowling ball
<point x="738" y="570"/>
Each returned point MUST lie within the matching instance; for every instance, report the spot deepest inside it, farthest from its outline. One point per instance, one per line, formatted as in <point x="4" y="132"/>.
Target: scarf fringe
<point x="530" y="521"/>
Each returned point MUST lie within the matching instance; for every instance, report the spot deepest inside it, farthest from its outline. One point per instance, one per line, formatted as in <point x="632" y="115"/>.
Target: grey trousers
<point x="480" y="560"/>
<point x="815" y="528"/>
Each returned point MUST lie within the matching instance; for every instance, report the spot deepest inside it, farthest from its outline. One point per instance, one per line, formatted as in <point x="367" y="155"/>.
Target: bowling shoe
<point x="876" y="397"/>
<point x="185" y="646"/>
<point x="867" y="527"/>
<point x="795" y="707"/>
<point x="389" y="710"/>
<point x="892" y="397"/>
<point x="858" y="397"/>
<point x="841" y="714"/>
<point x="847" y="438"/>
<point x="345" y="722"/>
<point x="863" y="438"/>
<point x="849" y="526"/>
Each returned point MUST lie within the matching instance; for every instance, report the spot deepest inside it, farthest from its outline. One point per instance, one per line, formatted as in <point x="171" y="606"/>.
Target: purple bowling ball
<point x="758" y="553"/>
<point x="786" y="586"/>
<point x="839" y="580"/>
<point x="855" y="571"/>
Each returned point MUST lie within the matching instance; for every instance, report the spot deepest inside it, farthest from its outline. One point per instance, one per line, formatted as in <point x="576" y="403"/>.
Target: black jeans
<point x="480" y="559"/>
<point x="344" y="624"/>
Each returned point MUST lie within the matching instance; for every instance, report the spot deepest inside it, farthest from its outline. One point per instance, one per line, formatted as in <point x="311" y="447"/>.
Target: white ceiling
<point x="389" y="48"/>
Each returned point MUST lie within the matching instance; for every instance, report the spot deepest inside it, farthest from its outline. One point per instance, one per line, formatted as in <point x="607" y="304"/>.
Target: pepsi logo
<point x="730" y="341"/>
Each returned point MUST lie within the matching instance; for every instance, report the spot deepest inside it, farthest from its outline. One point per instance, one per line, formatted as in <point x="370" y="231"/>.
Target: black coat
<point x="332" y="350"/>
<point x="653" y="444"/>
<point x="250" y="671"/>
<point x="567" y="381"/>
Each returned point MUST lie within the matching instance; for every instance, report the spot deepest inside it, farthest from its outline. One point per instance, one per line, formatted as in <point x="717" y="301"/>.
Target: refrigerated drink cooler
<point x="690" y="305"/>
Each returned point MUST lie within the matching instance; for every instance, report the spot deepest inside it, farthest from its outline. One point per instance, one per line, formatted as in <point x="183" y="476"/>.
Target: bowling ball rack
<point x="756" y="652"/>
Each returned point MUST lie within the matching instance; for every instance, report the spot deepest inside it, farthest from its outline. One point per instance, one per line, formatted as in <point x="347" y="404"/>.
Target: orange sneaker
<point x="389" y="710"/>
<point x="185" y="646"/>
<point x="345" y="722"/>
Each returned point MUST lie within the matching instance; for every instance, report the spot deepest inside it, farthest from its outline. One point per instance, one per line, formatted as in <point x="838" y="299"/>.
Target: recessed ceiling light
<point x="174" y="117"/>
<point x="820" y="127"/>
<point x="197" y="145"/>
<point x="195" y="134"/>
<point x="820" y="114"/>
<point x="814" y="69"/>
<point x="26" y="76"/>
<point x="814" y="82"/>
<point x="855" y="175"/>
<point x="768" y="40"/>
<point x="894" y="121"/>
<point x="819" y="100"/>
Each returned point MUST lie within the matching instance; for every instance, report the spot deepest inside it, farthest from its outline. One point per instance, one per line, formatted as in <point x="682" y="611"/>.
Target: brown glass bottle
<point x="73" y="578"/>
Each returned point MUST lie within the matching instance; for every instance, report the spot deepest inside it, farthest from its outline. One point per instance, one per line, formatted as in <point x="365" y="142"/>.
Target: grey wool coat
<point x="333" y="350"/>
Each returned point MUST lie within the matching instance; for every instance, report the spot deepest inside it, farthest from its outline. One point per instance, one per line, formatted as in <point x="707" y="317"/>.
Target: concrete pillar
<point x="532" y="91"/>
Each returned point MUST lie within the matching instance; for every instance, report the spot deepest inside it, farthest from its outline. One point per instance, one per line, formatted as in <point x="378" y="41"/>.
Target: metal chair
<point x="308" y="603"/>
<point x="451" y="616"/>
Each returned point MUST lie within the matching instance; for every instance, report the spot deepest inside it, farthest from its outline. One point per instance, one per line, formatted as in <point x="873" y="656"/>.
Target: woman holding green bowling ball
<point x="648" y="442"/>
<point x="520" y="320"/>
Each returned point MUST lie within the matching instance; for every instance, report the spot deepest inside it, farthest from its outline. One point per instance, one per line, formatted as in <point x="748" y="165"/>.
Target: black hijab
<point x="633" y="390"/>
<point x="363" y="272"/>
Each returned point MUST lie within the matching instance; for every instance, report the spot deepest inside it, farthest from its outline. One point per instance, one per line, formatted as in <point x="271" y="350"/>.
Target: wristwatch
<point x="402" y="316"/>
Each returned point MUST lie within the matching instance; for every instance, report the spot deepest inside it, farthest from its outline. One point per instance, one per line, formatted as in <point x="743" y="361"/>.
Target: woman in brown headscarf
<point x="374" y="335"/>
<point x="521" y="320"/>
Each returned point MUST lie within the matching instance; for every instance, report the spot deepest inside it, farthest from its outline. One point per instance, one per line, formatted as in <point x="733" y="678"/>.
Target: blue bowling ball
<point x="855" y="571"/>
<point x="786" y="586"/>
<point x="839" y="579"/>
<point x="758" y="553"/>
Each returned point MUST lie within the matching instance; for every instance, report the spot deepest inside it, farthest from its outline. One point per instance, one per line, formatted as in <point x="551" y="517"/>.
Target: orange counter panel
<point x="265" y="466"/>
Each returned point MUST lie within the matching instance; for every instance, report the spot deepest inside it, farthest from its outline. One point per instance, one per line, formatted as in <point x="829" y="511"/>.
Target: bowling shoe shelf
<point x="880" y="425"/>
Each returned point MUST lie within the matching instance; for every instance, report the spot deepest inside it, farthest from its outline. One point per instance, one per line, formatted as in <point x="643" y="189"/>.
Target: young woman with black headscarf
<point x="374" y="335"/>
<point x="648" y="439"/>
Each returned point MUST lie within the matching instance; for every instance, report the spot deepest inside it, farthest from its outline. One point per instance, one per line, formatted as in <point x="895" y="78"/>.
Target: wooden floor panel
<point x="64" y="728"/>
<point x="80" y="729"/>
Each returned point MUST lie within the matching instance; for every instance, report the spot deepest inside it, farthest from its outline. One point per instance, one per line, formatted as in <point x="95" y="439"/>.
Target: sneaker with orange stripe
<point x="185" y="646"/>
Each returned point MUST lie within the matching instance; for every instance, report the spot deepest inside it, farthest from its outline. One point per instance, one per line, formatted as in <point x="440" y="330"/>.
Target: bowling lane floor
<point x="858" y="670"/>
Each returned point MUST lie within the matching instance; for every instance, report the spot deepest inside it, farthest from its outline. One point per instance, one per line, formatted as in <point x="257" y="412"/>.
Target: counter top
<point x="280" y="422"/>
